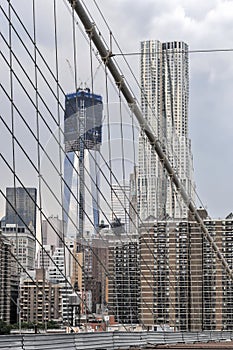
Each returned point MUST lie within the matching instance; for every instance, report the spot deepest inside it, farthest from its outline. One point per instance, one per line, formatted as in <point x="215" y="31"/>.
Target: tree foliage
<point x="4" y="327"/>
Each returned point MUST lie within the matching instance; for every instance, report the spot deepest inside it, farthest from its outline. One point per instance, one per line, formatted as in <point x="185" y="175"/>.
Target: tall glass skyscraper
<point x="164" y="100"/>
<point x="83" y="131"/>
<point x="21" y="206"/>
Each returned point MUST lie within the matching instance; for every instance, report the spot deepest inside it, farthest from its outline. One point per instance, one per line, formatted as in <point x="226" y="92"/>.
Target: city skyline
<point x="210" y="78"/>
<point x="170" y="266"/>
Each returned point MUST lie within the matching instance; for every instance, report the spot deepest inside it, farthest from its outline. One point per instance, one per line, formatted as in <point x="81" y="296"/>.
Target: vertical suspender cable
<point x="14" y="162"/>
<point x="38" y="159"/>
<point x="60" y="149"/>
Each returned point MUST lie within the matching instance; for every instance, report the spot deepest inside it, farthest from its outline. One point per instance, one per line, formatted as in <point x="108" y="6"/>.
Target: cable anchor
<point x="90" y="30"/>
<point x="120" y="83"/>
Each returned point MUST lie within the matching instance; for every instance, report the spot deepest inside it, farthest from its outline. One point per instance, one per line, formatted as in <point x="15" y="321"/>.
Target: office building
<point x="52" y="231"/>
<point x="21" y="206"/>
<point x="43" y="257"/>
<point x="24" y="244"/>
<point x="120" y="204"/>
<point x="83" y="137"/>
<point x="164" y="101"/>
<point x="61" y="264"/>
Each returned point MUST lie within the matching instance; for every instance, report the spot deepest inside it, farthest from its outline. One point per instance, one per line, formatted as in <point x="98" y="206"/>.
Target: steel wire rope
<point x="97" y="204"/>
<point x="163" y="257"/>
<point x="123" y="158"/>
<point x="161" y="253"/>
<point x="72" y="3"/>
<point x="181" y="258"/>
<point x="38" y="153"/>
<point x="109" y="145"/>
<point x="96" y="179"/>
<point x="134" y="177"/>
<point x="109" y="139"/>
<point x="124" y="199"/>
<point x="203" y="239"/>
<point x="59" y="135"/>
<point x="80" y="214"/>
<point x="13" y="147"/>
<point x="174" y="283"/>
<point x="10" y="298"/>
<point x="179" y="51"/>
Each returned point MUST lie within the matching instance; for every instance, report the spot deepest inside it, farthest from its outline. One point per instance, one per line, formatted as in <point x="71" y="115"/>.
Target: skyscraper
<point x="83" y="131"/>
<point x="120" y="204"/>
<point x="52" y="231"/>
<point x="164" y="100"/>
<point x="21" y="206"/>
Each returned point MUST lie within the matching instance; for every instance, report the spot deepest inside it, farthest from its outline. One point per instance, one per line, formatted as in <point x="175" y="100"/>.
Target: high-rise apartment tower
<point x="164" y="99"/>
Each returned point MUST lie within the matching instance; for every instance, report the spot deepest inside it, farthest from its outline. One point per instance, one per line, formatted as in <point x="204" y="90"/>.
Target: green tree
<point x="4" y="328"/>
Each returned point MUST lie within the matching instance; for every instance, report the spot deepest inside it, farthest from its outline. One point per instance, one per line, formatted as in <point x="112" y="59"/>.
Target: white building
<point x="62" y="262"/>
<point x="43" y="256"/>
<point x="120" y="203"/>
<point x="164" y="99"/>
<point x="53" y="231"/>
<point x="24" y="244"/>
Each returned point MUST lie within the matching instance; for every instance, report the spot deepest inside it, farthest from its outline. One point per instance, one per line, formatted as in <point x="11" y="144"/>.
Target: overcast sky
<point x="203" y="25"/>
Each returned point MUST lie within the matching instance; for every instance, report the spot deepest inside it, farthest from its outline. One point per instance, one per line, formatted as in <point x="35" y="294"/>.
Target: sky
<point x="202" y="25"/>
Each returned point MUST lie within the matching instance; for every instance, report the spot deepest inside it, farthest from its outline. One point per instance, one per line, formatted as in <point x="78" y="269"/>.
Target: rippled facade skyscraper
<point x="164" y="100"/>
